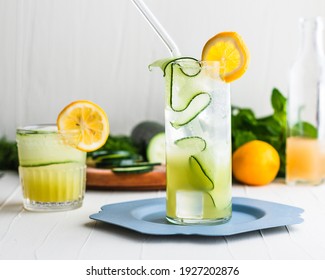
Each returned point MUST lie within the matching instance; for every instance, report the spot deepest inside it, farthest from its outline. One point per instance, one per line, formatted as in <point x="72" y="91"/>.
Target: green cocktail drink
<point x="52" y="171"/>
<point x="198" y="142"/>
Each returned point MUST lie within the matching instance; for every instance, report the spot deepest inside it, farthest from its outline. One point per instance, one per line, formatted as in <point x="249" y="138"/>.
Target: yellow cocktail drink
<point x="52" y="171"/>
<point x="198" y="130"/>
<point x="198" y="143"/>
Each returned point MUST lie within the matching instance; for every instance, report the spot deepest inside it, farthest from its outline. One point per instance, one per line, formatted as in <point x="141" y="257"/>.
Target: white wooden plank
<point x="72" y="235"/>
<point x="9" y="183"/>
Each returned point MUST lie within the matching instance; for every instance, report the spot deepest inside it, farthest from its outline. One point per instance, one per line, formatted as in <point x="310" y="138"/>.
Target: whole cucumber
<point x="149" y="137"/>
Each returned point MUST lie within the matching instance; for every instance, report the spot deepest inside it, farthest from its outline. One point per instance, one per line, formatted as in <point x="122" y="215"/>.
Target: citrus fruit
<point x="230" y="49"/>
<point x="88" y="118"/>
<point x="255" y="163"/>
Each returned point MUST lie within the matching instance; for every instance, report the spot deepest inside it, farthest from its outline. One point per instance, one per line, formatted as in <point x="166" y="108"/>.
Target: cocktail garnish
<point x="88" y="118"/>
<point x="230" y="49"/>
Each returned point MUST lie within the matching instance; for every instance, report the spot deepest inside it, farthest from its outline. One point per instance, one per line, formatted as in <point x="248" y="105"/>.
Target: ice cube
<point x="189" y="204"/>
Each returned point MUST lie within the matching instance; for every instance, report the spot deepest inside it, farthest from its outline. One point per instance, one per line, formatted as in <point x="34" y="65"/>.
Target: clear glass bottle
<point x="305" y="148"/>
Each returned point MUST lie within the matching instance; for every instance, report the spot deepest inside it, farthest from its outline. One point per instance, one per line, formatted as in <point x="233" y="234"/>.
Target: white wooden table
<point x="72" y="235"/>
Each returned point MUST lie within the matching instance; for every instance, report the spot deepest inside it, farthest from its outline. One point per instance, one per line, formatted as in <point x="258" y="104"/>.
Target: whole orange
<point x="255" y="163"/>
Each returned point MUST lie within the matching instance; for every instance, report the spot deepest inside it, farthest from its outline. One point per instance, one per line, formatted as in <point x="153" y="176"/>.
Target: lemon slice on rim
<point x="230" y="49"/>
<point x="90" y="119"/>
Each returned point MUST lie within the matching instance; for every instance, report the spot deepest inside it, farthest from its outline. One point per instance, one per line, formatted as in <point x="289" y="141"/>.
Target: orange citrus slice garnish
<point x="230" y="49"/>
<point x="89" y="119"/>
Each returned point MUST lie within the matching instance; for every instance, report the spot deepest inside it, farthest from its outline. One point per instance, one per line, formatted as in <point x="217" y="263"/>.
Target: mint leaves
<point x="271" y="129"/>
<point x="8" y="154"/>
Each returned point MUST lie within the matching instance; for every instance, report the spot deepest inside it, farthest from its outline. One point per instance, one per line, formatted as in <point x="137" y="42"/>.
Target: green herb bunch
<point x="271" y="129"/>
<point x="8" y="155"/>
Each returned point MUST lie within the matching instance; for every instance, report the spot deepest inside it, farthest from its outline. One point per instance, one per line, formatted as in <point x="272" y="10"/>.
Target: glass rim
<point x="188" y="61"/>
<point x="192" y="67"/>
<point x="195" y="66"/>
<point x="42" y="129"/>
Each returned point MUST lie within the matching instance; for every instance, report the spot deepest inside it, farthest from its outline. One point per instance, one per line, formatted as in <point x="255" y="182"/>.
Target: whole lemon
<point x="255" y="163"/>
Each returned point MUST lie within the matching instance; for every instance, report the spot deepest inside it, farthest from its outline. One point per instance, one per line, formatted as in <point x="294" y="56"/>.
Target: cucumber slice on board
<point x="143" y="163"/>
<point x="112" y="158"/>
<point x="114" y="163"/>
<point x="110" y="154"/>
<point x="133" y="169"/>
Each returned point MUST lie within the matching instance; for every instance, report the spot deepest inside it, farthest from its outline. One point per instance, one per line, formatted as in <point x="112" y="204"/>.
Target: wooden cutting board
<point x="107" y="179"/>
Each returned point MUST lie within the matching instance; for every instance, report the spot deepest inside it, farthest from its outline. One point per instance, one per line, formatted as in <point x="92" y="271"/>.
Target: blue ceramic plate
<point x="148" y="216"/>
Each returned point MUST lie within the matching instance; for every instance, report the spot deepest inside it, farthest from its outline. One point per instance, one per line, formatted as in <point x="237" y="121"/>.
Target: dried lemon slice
<point x="90" y="119"/>
<point x="230" y="49"/>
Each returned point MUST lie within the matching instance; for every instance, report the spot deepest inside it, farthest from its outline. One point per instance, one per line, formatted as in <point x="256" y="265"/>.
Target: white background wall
<point x="55" y="51"/>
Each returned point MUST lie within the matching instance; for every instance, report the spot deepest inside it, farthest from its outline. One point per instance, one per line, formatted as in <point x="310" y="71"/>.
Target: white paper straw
<point x="157" y="27"/>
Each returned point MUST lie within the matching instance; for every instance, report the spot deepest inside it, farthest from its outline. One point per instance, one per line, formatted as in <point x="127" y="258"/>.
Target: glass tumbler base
<point x="52" y="206"/>
<point x="188" y="221"/>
